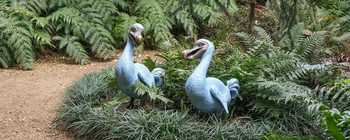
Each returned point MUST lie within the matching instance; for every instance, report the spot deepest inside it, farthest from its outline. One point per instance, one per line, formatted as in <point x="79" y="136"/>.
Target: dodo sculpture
<point x="208" y="94"/>
<point x="128" y="73"/>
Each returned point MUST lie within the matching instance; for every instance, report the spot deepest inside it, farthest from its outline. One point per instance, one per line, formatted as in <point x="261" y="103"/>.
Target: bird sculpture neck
<point x="202" y="69"/>
<point x="128" y="53"/>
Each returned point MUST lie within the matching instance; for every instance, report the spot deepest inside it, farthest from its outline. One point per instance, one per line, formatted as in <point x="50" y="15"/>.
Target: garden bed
<point x="89" y="111"/>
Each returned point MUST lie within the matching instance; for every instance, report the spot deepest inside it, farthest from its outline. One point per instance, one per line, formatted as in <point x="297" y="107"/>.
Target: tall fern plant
<point x="76" y="27"/>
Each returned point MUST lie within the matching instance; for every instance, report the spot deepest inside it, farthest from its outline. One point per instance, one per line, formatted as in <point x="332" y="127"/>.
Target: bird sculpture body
<point x="208" y="94"/>
<point x="128" y="73"/>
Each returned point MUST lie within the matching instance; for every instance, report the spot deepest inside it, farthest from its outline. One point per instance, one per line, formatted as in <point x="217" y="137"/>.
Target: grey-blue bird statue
<point x="129" y="73"/>
<point x="208" y="94"/>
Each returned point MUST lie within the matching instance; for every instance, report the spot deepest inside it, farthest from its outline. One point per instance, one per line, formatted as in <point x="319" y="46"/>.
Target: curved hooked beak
<point x="194" y="53"/>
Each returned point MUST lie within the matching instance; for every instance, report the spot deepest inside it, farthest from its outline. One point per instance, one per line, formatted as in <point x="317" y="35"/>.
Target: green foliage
<point x="337" y="123"/>
<point x="156" y="22"/>
<point x="276" y="96"/>
<point x="73" y="48"/>
<point x="288" y="90"/>
<point x="154" y="93"/>
<point x="29" y="27"/>
<point x="164" y="20"/>
<point x="273" y="136"/>
<point x="99" y="26"/>
<point x="18" y="36"/>
<point x="89" y="112"/>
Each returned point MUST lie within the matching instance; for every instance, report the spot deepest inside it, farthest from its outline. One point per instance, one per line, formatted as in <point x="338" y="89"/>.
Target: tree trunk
<point x="252" y="4"/>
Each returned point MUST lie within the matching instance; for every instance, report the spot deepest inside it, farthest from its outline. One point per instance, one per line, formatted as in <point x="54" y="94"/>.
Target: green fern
<point x="191" y="14"/>
<point x="157" y="24"/>
<point x="123" y="22"/>
<point x="334" y="97"/>
<point x="154" y="93"/>
<point x="73" y="48"/>
<point x="18" y="34"/>
<point x="6" y="58"/>
<point x="101" y="40"/>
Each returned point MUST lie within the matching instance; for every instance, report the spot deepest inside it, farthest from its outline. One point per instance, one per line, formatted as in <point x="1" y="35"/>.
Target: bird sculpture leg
<point x="145" y="102"/>
<point x="131" y="103"/>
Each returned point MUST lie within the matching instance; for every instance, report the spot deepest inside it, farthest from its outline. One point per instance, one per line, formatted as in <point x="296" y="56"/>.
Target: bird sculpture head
<point x="200" y="47"/>
<point x="135" y="32"/>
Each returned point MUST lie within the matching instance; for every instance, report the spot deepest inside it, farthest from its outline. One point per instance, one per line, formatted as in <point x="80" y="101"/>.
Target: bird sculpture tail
<point x="158" y="74"/>
<point x="233" y="86"/>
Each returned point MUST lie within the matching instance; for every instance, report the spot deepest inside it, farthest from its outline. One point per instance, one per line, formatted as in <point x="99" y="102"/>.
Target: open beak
<point x="194" y="53"/>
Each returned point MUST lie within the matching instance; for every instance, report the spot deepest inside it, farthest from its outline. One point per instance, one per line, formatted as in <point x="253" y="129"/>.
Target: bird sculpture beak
<point x="138" y="37"/>
<point x="195" y="52"/>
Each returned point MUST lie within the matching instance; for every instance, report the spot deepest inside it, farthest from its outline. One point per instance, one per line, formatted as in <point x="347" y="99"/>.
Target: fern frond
<point x="185" y="19"/>
<point x="311" y="47"/>
<point x="39" y="7"/>
<point x="98" y="12"/>
<point x="19" y="33"/>
<point x="204" y="11"/>
<point x="154" y="16"/>
<point x="122" y="4"/>
<point x="122" y="26"/>
<point x="247" y="40"/>
<point x="334" y="97"/>
<point x="279" y="91"/>
<point x="263" y="36"/>
<point x="68" y="16"/>
<point x="73" y="48"/>
<point x="6" y="59"/>
<point x="42" y="38"/>
<point x="154" y="93"/>
<point x="101" y="40"/>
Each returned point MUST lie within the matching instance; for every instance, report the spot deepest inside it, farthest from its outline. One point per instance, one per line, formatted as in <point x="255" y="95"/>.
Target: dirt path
<point x="29" y="99"/>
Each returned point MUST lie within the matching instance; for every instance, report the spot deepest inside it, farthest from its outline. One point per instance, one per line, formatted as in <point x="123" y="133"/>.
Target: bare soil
<point x="29" y="99"/>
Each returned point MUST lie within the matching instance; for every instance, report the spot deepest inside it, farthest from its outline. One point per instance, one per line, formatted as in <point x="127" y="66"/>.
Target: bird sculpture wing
<point x="144" y="75"/>
<point x="221" y="98"/>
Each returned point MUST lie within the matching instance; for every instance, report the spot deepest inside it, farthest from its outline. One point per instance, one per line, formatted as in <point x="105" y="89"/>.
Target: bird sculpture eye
<point x="133" y="29"/>
<point x="200" y="44"/>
